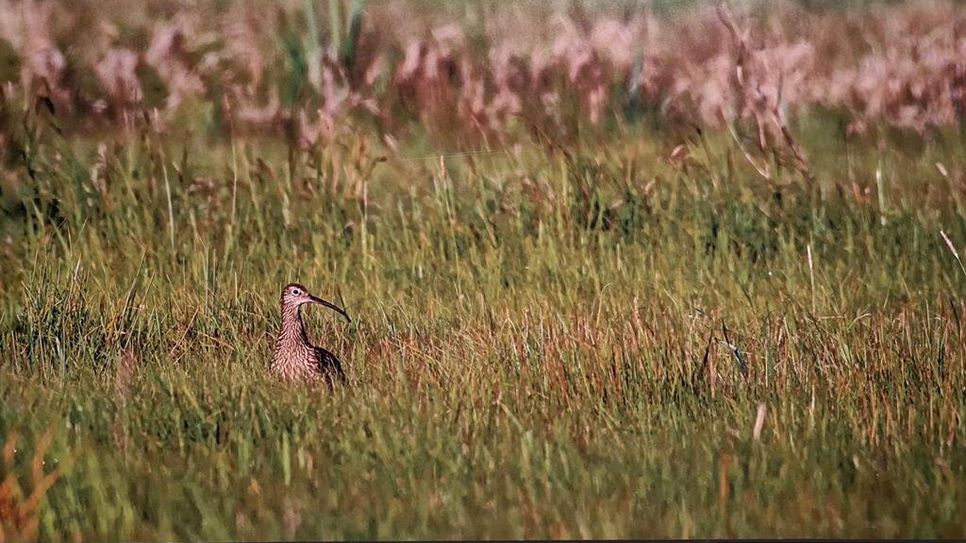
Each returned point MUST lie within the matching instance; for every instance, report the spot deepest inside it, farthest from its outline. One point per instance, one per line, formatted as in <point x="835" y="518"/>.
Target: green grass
<point x="543" y="344"/>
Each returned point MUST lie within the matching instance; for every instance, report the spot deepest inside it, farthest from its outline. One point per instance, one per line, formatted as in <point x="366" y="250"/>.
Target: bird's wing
<point x="330" y="366"/>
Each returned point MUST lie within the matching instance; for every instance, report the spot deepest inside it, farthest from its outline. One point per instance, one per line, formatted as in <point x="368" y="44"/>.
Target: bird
<point x="295" y="358"/>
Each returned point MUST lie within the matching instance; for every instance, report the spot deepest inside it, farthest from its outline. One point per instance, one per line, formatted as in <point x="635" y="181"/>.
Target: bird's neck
<point x="292" y="328"/>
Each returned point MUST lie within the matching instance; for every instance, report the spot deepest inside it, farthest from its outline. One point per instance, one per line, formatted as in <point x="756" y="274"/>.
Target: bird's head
<point x="295" y="295"/>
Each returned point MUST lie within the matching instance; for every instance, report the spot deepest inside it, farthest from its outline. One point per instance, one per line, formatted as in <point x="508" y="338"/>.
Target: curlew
<point x="295" y="358"/>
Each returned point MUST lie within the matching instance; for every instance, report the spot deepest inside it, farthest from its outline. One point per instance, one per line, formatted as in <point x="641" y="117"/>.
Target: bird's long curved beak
<point x="331" y="306"/>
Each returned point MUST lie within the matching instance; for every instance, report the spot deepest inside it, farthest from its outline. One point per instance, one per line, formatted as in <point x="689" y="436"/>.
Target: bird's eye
<point x="296" y="292"/>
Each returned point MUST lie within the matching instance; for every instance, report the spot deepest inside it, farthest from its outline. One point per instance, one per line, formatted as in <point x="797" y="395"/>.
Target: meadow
<point x="628" y="323"/>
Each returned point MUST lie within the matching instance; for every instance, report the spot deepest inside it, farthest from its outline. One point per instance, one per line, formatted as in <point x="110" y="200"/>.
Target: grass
<point x="590" y="343"/>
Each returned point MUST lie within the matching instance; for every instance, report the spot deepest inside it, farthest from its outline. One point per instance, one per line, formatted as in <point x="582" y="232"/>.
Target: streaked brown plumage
<point x="295" y="358"/>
